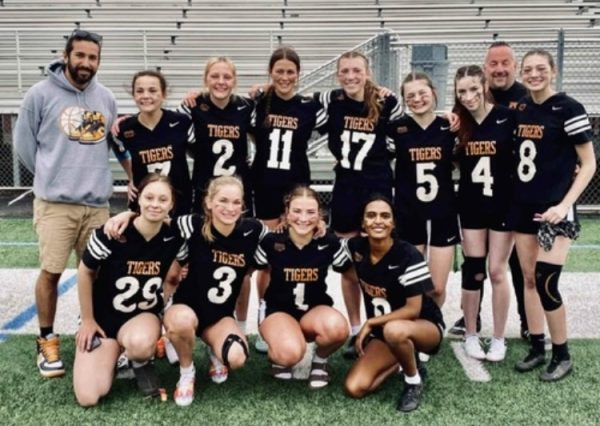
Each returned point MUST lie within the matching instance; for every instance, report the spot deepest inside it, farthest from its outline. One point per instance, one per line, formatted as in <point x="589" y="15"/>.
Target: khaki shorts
<point x="61" y="228"/>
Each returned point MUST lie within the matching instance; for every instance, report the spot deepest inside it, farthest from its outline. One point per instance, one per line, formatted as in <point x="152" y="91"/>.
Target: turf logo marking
<point x="474" y="368"/>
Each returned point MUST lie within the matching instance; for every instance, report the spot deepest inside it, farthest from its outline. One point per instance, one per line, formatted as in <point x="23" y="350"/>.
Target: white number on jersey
<point x="130" y="286"/>
<point x="526" y="168"/>
<point x="224" y="149"/>
<point x="226" y="275"/>
<point x="299" y="300"/>
<point x="381" y="306"/>
<point x="349" y="138"/>
<point x="482" y="173"/>
<point x="162" y="168"/>
<point x="286" y="149"/>
<point x="424" y="176"/>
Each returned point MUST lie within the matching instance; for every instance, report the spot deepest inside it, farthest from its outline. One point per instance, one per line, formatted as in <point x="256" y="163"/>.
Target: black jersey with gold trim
<point x="282" y="129"/>
<point x="486" y="162"/>
<point x="546" y="136"/>
<point x="423" y="182"/>
<point x="509" y="98"/>
<point x="400" y="274"/>
<point x="298" y="274"/>
<point x="130" y="272"/>
<point x="217" y="268"/>
<point x="159" y="150"/>
<point x="358" y="144"/>
<point x="221" y="147"/>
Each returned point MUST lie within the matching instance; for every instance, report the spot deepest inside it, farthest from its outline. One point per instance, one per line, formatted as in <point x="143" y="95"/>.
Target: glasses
<point x="86" y="35"/>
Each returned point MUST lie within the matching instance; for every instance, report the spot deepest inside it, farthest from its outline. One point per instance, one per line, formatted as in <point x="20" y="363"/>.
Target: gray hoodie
<point x="60" y="136"/>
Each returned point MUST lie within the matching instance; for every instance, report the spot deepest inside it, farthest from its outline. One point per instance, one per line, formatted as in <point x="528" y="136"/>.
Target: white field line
<point x="474" y="368"/>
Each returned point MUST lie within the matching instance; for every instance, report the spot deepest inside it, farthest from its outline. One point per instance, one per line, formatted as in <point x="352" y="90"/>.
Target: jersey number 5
<point x="427" y="184"/>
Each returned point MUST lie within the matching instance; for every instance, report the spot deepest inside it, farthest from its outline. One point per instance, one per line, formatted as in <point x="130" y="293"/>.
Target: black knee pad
<point x="473" y="273"/>
<point x="229" y="341"/>
<point x="546" y="283"/>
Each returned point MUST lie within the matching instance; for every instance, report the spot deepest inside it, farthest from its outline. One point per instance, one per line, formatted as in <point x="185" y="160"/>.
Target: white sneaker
<point x="473" y="347"/>
<point x="124" y="368"/>
<point x="171" y="352"/>
<point x="497" y="350"/>
<point x="423" y="357"/>
<point x="260" y="345"/>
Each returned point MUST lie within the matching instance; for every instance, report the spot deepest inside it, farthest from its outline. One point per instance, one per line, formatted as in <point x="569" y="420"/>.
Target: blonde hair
<point x="211" y="191"/>
<point x="220" y="59"/>
<point x="371" y="89"/>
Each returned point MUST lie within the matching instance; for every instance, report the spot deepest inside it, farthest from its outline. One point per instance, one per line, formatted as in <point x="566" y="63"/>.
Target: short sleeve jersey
<point x="130" y="271"/>
<point x="358" y="144"/>
<point x="400" y="274"/>
<point x="423" y="184"/>
<point x="486" y="162"/>
<point x="221" y="147"/>
<point x="217" y="268"/>
<point x="160" y="150"/>
<point x="546" y="136"/>
<point x="509" y="98"/>
<point x="298" y="274"/>
<point x="282" y="129"/>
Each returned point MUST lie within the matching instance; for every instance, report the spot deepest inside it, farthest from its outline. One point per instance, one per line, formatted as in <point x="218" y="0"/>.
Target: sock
<point x="354" y="330"/>
<point x="138" y="364"/>
<point x="413" y="380"/>
<point x="242" y="326"/>
<point x="187" y="373"/>
<point x="318" y="359"/>
<point x="561" y="352"/>
<point x="537" y="342"/>
<point x="45" y="331"/>
<point x="213" y="358"/>
<point x="262" y="307"/>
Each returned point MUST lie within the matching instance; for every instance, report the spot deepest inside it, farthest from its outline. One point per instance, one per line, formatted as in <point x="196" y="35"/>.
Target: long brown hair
<point x="467" y="122"/>
<point x="211" y="191"/>
<point x="283" y="52"/>
<point x="372" y="102"/>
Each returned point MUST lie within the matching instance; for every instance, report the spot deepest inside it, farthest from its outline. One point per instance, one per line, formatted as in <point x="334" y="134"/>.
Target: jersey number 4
<point x="130" y="286"/>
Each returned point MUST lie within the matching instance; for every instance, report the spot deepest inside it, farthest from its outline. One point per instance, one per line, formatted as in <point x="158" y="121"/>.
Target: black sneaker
<point x="531" y="361"/>
<point x="410" y="398"/>
<point x="458" y="329"/>
<point x="350" y="351"/>
<point x="147" y="380"/>
<point x="556" y="370"/>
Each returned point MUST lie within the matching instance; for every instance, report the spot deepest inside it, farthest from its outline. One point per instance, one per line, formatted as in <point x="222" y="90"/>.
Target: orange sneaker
<point x="48" y="359"/>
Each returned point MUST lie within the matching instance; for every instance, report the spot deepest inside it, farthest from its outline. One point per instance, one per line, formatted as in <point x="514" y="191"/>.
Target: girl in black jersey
<point x="484" y="155"/>
<point x="119" y="284"/>
<point x="156" y="139"/>
<point x="553" y="135"/>
<point x="424" y="192"/>
<point x="402" y="319"/>
<point x="298" y="308"/>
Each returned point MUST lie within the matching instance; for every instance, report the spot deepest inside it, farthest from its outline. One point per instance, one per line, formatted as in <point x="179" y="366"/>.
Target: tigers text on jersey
<point x="160" y="150"/>
<point x="221" y="147"/>
<point x="423" y="181"/>
<point x="358" y="144"/>
<point x="282" y="129"/>
<point x="546" y="136"/>
<point x="130" y="273"/>
<point x="509" y="98"/>
<point x="298" y="274"/>
<point x="400" y="274"/>
<point x="486" y="162"/>
<point x="216" y="269"/>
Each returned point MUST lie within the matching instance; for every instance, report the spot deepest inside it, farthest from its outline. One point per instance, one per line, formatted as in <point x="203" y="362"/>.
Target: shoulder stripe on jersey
<point x="264" y="231"/>
<point x="415" y="274"/>
<point x="396" y="111"/>
<point x="97" y="248"/>
<point x="344" y="242"/>
<point x="185" y="226"/>
<point x="260" y="256"/>
<point x="184" y="109"/>
<point x="191" y="134"/>
<point x="323" y="113"/>
<point x="182" y="254"/>
<point x="578" y="124"/>
<point x="341" y="256"/>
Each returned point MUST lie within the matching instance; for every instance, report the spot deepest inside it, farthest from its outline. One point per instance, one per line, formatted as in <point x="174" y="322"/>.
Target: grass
<point x="26" y="256"/>
<point x="250" y="396"/>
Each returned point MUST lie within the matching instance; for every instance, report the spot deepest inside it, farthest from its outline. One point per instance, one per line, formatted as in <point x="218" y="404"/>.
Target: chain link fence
<point x="390" y="59"/>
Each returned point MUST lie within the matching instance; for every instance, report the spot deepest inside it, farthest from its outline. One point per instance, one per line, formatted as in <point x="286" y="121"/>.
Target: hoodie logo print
<point x="85" y="127"/>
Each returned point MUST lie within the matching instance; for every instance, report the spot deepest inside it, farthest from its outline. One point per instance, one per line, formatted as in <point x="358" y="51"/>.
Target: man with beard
<point x="60" y="136"/>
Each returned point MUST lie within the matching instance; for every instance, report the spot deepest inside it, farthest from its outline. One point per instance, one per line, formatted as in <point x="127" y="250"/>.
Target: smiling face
<point x="303" y="216"/>
<point x="284" y="75"/>
<point x="378" y="220"/>
<point x="419" y="96"/>
<point x="220" y="80"/>
<point x="82" y="63"/>
<point x="352" y="74"/>
<point x="148" y="93"/>
<point x="500" y="67"/>
<point x="155" y="201"/>
<point x="471" y="93"/>
<point x="225" y="206"/>
<point x="537" y="74"/>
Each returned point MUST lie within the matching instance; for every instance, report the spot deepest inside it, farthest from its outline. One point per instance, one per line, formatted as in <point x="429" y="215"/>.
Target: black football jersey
<point x="546" y="136"/>
<point x="423" y="175"/>
<point x="358" y="144"/>
<point x="509" y="98"/>
<point x="282" y="129"/>
<point x="486" y="162"/>
<point x="400" y="274"/>
<point x="160" y="150"/>
<point x="298" y="275"/>
<point x="221" y="147"/>
<point x="216" y="269"/>
<point x="130" y="271"/>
